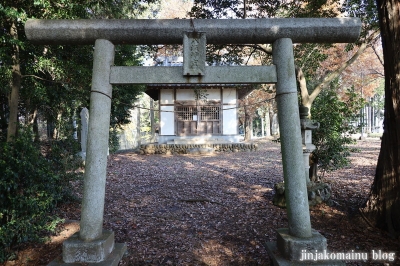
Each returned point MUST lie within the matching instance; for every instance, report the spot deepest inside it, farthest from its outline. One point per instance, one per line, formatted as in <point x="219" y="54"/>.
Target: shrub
<point x="63" y="157"/>
<point x="29" y="191"/>
<point x="337" y="118"/>
<point x="113" y="141"/>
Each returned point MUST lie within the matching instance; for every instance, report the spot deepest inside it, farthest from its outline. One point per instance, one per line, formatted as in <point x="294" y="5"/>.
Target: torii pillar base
<point x="99" y="252"/>
<point x="289" y="250"/>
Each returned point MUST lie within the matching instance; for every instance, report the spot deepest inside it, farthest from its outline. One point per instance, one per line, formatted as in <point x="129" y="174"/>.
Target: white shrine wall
<point x="229" y="113"/>
<point x="167" y="118"/>
<point x="188" y="94"/>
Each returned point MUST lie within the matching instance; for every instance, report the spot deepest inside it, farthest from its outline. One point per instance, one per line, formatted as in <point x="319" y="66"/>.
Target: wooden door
<point x="197" y="120"/>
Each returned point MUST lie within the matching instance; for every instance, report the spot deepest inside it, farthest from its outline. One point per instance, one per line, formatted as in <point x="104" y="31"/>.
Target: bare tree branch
<point x="260" y="47"/>
<point x="375" y="72"/>
<point x="377" y="55"/>
<point x="332" y="75"/>
<point x="250" y="55"/>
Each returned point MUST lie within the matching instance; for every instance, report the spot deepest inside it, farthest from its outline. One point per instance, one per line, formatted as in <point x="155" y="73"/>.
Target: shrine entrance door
<point x="198" y="119"/>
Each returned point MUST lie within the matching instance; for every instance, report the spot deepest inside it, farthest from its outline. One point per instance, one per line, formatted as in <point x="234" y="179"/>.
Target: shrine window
<point x="209" y="113"/>
<point x="186" y="113"/>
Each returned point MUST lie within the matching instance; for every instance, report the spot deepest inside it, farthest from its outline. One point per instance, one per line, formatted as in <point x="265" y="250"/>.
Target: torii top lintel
<point x="170" y="31"/>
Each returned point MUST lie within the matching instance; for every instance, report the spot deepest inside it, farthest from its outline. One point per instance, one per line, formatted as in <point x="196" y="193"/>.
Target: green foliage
<point x="337" y="117"/>
<point x="63" y="156"/>
<point x="56" y="79"/>
<point x="113" y="141"/>
<point x="207" y="9"/>
<point x="366" y="10"/>
<point x="29" y="190"/>
<point x="308" y="57"/>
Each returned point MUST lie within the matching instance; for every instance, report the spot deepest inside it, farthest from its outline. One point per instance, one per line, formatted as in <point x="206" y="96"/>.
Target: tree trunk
<point x="262" y="125"/>
<point x="267" y="123"/>
<point x="36" y="129"/>
<point x="247" y="121"/>
<point x="247" y="124"/>
<point x="382" y="209"/>
<point x="138" y="134"/>
<point x="15" y="86"/>
<point x="251" y="128"/>
<point x="275" y="125"/>
<point x="57" y="129"/>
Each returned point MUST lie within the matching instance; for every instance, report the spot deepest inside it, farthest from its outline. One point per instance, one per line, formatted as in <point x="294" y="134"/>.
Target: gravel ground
<point x="217" y="209"/>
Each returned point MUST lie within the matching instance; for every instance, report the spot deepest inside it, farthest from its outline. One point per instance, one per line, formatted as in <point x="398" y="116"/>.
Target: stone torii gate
<point x="94" y="245"/>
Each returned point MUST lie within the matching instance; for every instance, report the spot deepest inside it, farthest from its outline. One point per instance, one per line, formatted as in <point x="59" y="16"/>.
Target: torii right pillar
<point x="298" y="239"/>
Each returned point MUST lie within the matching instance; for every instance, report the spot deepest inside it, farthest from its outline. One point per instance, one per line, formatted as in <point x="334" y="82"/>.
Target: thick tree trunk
<point x="247" y="124"/>
<point x="382" y="208"/>
<point x="247" y="129"/>
<point x="15" y="87"/>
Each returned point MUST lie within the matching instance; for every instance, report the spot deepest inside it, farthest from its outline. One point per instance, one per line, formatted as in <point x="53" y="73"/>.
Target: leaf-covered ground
<point x="217" y="210"/>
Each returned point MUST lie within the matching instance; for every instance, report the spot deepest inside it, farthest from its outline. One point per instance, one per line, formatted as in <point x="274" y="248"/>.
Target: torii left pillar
<point x="92" y="244"/>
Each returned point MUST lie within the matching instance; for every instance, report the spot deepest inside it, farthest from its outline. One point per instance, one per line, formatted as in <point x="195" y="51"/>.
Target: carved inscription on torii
<point x="194" y="53"/>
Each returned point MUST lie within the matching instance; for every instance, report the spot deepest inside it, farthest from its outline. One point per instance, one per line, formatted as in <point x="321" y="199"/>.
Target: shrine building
<point x="206" y="113"/>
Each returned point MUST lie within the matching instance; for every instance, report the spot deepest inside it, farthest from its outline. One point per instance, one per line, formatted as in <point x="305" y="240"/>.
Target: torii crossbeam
<point x="92" y="244"/>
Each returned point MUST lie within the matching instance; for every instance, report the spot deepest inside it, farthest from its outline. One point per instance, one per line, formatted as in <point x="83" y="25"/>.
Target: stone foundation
<point x="99" y="252"/>
<point x="317" y="194"/>
<point x="170" y="149"/>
